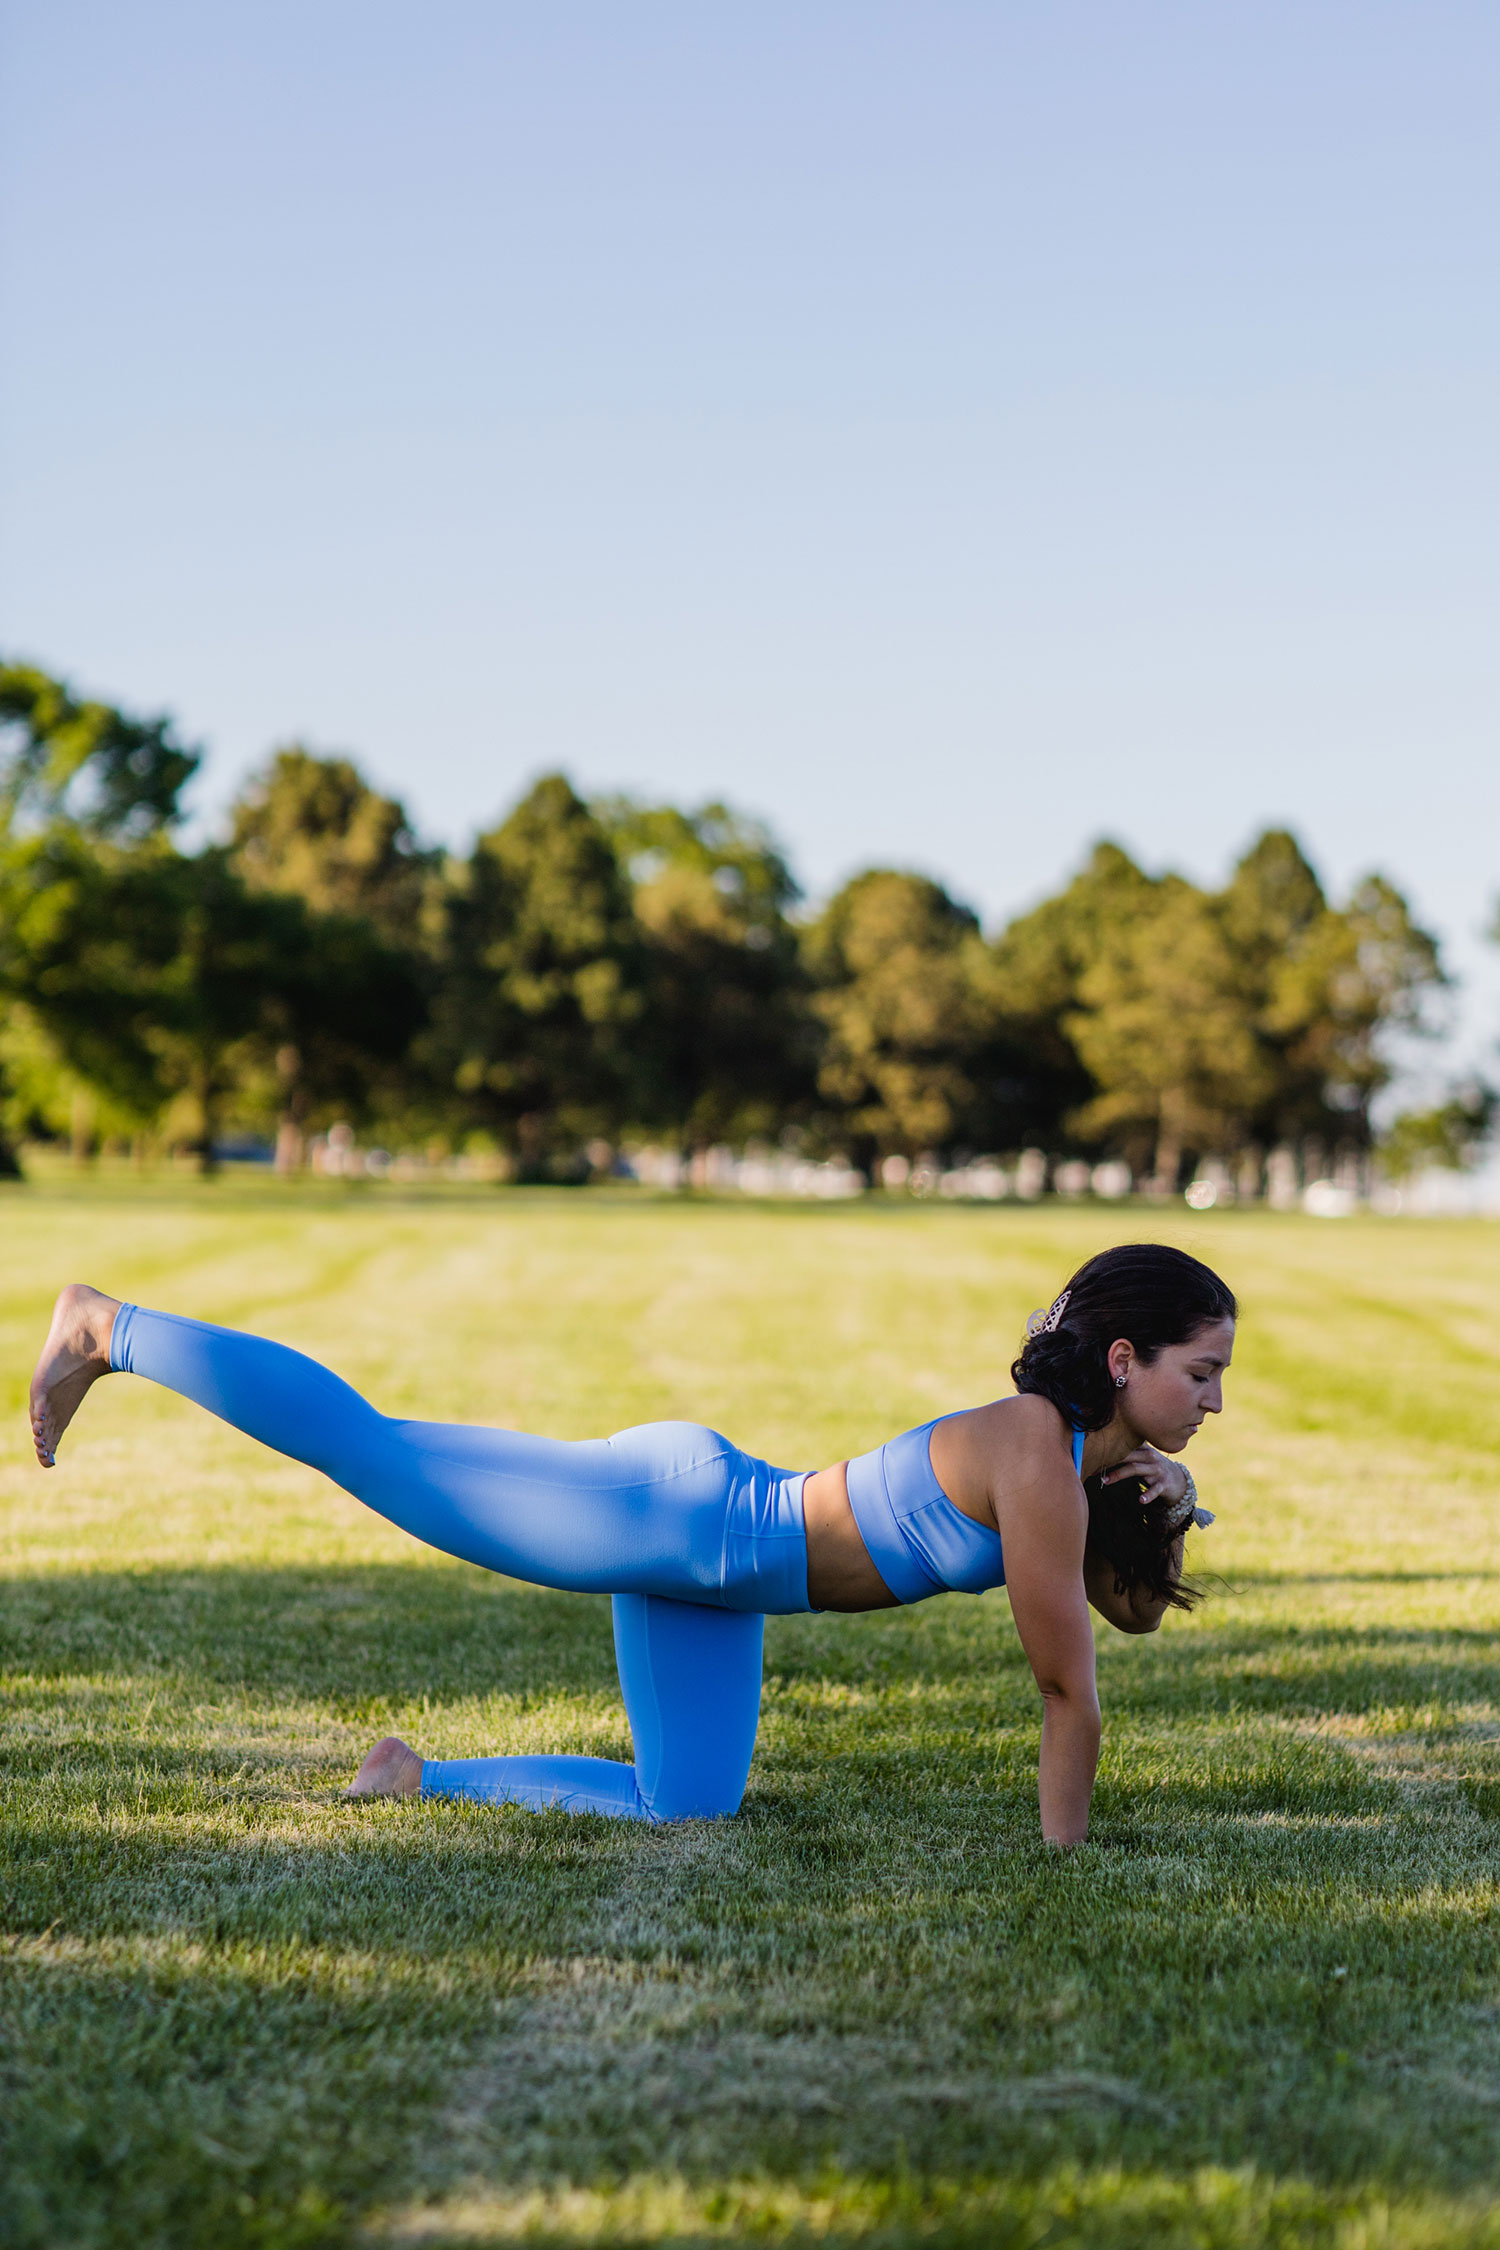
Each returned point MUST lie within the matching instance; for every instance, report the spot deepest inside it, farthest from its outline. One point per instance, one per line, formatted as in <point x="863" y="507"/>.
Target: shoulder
<point x="986" y="1458"/>
<point x="1028" y="1431"/>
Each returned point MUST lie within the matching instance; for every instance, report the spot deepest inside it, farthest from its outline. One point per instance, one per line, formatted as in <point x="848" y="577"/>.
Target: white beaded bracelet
<point x="1201" y="1517"/>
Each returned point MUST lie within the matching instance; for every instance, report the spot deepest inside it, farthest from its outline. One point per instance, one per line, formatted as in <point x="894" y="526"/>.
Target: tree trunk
<point x="81" y="1129"/>
<point x="208" y="1118"/>
<point x="291" y="1141"/>
<point x="1169" y="1137"/>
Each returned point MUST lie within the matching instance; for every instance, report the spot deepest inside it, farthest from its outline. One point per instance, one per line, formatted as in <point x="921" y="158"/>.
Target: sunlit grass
<point x="1261" y="2007"/>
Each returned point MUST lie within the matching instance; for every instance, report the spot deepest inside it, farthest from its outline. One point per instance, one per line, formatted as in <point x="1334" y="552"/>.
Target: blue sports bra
<point x="920" y="1543"/>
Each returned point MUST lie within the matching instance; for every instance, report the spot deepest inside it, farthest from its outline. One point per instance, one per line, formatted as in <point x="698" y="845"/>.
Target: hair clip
<point x="1042" y="1324"/>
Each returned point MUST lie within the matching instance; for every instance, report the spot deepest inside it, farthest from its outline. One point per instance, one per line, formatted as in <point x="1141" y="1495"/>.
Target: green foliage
<point x="314" y="827"/>
<point x="1255" y="2012"/>
<point x="592" y="970"/>
<point x="727" y="1047"/>
<point x="235" y="974"/>
<point x="81" y="927"/>
<point x="84" y="763"/>
<point x="1162" y="1032"/>
<point x="901" y="984"/>
<point x="1324" y="987"/>
<point x="148" y="988"/>
<point x="1041" y="963"/>
<point x="1203" y="1021"/>
<point x="81" y="785"/>
<point x="1449" y="1135"/>
<point x="547" y="978"/>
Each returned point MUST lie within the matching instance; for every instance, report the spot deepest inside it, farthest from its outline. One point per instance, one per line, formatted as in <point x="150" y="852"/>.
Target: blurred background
<point x="818" y="598"/>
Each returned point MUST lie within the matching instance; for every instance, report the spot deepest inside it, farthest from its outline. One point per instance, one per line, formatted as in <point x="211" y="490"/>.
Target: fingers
<point x="1152" y="1488"/>
<point x="1141" y="1463"/>
<point x="1158" y="1476"/>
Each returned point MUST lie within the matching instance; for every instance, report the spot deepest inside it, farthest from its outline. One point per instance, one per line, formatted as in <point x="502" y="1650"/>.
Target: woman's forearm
<point x="1070" y="1754"/>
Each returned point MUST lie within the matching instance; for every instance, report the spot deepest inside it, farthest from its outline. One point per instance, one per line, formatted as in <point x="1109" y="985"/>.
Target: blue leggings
<point x="695" y="1540"/>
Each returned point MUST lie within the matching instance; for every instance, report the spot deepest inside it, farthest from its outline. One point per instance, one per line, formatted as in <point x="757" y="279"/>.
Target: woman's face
<point x="1166" y="1401"/>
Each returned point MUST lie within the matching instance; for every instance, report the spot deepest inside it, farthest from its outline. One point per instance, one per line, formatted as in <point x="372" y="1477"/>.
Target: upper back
<point x="985" y="1458"/>
<point x="924" y="1502"/>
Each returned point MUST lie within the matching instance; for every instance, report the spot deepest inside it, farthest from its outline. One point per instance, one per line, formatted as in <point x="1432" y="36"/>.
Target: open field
<point x="1261" y="2007"/>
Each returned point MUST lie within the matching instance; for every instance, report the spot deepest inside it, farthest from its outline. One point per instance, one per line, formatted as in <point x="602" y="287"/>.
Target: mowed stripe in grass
<point x="1261" y="2006"/>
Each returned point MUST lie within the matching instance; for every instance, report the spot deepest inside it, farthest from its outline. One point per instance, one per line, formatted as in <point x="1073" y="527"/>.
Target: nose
<point x="1213" y="1397"/>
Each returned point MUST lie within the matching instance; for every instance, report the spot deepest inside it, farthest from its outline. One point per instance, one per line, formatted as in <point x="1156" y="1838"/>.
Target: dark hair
<point x="1152" y="1296"/>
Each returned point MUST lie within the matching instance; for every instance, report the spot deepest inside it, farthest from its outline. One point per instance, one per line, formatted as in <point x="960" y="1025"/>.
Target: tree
<point x="242" y="977"/>
<point x="1178" y="1020"/>
<point x="1326" y="986"/>
<point x="1450" y="1136"/>
<point x="726" y="1041"/>
<point x="314" y="826"/>
<point x="76" y="961"/>
<point x="84" y="788"/>
<point x="1271" y="905"/>
<point x="84" y="764"/>
<point x="545" y="989"/>
<point x="902" y="987"/>
<point x="1163" y="1029"/>
<point x="1040" y="962"/>
<point x="267" y="992"/>
<point x="225" y="961"/>
<point x="149" y="978"/>
<point x="1373" y="972"/>
<point x="152" y="972"/>
<point x="314" y="829"/>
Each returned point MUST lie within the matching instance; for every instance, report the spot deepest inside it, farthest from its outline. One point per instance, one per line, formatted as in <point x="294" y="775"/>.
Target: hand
<point x="1161" y="1478"/>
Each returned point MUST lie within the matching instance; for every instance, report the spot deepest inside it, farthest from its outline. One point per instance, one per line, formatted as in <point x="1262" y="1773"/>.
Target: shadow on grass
<point x="235" y="2010"/>
<point x="239" y="2039"/>
<point x="329" y="1632"/>
<point x="1296" y="1671"/>
<point x="355" y="1636"/>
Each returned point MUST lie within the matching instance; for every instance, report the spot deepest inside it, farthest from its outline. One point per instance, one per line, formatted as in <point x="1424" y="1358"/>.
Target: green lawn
<point x="1262" y="2006"/>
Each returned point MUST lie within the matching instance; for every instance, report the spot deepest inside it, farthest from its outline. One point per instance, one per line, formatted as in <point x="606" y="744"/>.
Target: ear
<point x="1120" y="1358"/>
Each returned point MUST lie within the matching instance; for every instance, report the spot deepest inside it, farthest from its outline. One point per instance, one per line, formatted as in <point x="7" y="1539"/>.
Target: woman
<point x="1063" y="1493"/>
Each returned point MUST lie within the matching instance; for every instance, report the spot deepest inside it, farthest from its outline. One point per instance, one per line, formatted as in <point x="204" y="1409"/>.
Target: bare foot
<point x="392" y="1769"/>
<point x="75" y="1355"/>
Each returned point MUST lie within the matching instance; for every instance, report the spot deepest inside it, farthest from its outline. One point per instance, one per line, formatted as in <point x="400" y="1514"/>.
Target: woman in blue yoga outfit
<point x="1065" y="1494"/>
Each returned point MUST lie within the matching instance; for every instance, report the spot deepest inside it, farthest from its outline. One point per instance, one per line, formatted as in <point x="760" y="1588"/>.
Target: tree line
<point x="591" y="971"/>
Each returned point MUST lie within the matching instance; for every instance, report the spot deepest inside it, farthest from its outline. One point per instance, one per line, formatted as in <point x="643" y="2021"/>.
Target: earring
<point x="1120" y="1382"/>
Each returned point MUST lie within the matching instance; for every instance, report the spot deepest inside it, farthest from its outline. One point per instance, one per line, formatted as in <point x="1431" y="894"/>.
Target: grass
<point x="1260" y="2007"/>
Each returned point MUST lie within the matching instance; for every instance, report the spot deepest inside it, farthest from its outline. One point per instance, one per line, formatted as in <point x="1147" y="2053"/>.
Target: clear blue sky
<point x="953" y="432"/>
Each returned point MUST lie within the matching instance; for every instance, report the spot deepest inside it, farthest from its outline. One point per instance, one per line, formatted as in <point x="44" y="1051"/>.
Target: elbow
<point x="1077" y="1699"/>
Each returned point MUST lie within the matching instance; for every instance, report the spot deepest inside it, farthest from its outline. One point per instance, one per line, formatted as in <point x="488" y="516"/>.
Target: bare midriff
<point x="840" y="1574"/>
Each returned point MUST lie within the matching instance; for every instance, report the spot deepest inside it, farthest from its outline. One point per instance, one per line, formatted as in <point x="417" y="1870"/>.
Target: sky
<point x="953" y="433"/>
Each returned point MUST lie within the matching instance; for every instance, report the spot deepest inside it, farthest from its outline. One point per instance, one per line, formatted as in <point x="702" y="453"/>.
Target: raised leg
<point x="641" y="1512"/>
